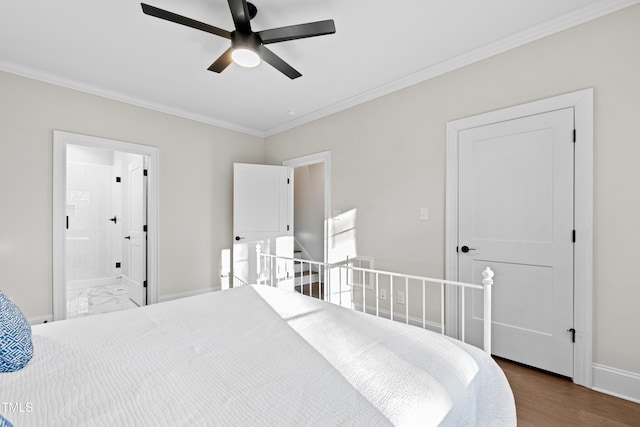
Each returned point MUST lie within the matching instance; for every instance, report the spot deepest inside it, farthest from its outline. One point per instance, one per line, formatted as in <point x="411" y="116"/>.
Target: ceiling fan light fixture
<point x="246" y="48"/>
<point x="245" y="57"/>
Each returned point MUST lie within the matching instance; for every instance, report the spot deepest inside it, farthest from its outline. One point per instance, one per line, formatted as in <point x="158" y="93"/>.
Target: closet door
<point x="516" y="216"/>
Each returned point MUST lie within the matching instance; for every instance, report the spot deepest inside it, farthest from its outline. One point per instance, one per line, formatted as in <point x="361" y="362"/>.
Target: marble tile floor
<point x="87" y="301"/>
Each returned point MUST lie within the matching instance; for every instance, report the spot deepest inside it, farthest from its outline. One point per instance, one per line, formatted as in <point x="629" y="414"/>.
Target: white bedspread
<point x="252" y="356"/>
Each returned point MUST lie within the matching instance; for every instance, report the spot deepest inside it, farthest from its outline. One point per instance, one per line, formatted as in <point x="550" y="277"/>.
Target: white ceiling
<point x="111" y="48"/>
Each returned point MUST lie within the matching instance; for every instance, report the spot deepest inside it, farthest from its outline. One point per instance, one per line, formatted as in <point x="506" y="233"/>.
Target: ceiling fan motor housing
<point x="250" y="41"/>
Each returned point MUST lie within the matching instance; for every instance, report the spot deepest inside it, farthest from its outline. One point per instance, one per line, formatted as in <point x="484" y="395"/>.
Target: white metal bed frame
<point x="273" y="270"/>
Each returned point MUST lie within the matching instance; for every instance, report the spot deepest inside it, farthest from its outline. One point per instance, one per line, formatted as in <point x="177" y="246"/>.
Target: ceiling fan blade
<point x="179" y="19"/>
<point x="278" y="63"/>
<point x="240" y="14"/>
<point x="300" y="31"/>
<point x="222" y="62"/>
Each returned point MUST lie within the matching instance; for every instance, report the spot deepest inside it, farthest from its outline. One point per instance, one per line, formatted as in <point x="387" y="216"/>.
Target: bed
<point x="253" y="355"/>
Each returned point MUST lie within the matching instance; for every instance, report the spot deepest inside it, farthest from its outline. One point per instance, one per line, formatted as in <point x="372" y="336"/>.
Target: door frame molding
<point x="582" y="103"/>
<point x="61" y="140"/>
<point x="312" y="159"/>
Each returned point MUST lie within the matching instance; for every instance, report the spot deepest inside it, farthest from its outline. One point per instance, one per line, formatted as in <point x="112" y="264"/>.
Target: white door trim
<point x="312" y="159"/>
<point x="60" y="141"/>
<point x="582" y="102"/>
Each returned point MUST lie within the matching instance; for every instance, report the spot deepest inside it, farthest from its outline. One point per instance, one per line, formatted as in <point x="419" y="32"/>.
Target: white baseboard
<point x="178" y="295"/>
<point x="36" y="320"/>
<point x="616" y="382"/>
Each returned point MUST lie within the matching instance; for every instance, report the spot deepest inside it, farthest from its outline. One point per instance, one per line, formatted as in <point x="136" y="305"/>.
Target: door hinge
<point x="288" y="181"/>
<point x="144" y="228"/>
<point x="573" y="236"/>
<point x="287" y="227"/>
<point x="457" y="249"/>
<point x="573" y="334"/>
<point x="117" y="265"/>
<point x="118" y="179"/>
<point x="144" y="284"/>
<point x="145" y="172"/>
<point x="574" y="135"/>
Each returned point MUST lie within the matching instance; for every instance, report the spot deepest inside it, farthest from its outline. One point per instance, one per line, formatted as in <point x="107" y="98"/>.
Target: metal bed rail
<point x="343" y="283"/>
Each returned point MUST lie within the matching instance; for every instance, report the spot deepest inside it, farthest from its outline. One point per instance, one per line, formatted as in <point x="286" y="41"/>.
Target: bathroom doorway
<point x="102" y="247"/>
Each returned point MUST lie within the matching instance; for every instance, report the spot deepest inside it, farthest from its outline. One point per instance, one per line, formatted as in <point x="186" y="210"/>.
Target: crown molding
<point x="120" y="97"/>
<point x="569" y="20"/>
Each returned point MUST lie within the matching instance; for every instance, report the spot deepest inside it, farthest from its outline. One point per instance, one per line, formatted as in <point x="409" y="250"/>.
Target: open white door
<point x="262" y="214"/>
<point x="136" y="236"/>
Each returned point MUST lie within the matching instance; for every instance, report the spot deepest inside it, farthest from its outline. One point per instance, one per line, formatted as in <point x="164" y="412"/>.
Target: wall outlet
<point x="401" y="297"/>
<point x="424" y="214"/>
<point x="383" y="294"/>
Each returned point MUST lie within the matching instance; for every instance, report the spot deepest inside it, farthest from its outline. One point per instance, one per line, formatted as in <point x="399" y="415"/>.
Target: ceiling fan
<point x="248" y="47"/>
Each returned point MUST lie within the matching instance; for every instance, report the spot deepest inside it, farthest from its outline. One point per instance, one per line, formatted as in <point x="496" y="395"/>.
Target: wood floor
<point x="546" y="400"/>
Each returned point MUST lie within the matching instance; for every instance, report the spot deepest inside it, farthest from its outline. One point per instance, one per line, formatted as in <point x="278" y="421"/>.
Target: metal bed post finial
<point x="487" y="282"/>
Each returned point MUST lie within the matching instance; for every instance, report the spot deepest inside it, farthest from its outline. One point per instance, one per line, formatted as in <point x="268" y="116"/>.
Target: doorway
<point x="105" y="225"/>
<point x="311" y="211"/>
<point x="308" y="211"/>
<point x="312" y="204"/>
<point x="462" y="202"/>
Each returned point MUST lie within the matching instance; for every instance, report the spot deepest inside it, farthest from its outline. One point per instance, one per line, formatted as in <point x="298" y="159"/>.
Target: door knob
<point x="114" y="219"/>
<point x="128" y="237"/>
<point x="239" y="238"/>
<point x="466" y="249"/>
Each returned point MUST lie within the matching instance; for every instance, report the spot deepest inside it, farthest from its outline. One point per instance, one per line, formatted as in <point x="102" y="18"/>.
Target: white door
<point x="136" y="234"/>
<point x="262" y="214"/>
<point x="516" y="216"/>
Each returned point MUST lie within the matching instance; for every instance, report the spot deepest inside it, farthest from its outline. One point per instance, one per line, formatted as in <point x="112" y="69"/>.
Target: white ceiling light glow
<point x="245" y="49"/>
<point x="245" y="57"/>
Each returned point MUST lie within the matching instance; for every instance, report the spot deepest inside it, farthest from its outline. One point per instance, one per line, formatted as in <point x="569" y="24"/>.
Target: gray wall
<point x="196" y="170"/>
<point x="388" y="160"/>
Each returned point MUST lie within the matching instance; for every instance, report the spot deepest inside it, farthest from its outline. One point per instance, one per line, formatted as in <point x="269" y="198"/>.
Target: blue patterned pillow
<point x="5" y="422"/>
<point x="16" y="347"/>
